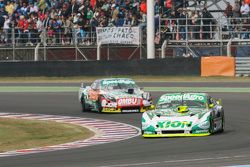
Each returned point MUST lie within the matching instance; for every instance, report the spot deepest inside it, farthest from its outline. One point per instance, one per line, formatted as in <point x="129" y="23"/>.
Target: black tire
<point x="83" y="104"/>
<point x="142" y="132"/>
<point x="99" y="105"/>
<point x="211" y="129"/>
<point x="223" y="125"/>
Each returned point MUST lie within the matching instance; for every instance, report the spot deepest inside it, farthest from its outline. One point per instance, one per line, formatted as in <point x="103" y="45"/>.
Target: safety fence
<point x="189" y="34"/>
<point x="177" y="30"/>
<point x="192" y="36"/>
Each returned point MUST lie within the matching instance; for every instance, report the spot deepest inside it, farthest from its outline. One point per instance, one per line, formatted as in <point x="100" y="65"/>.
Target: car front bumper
<point x="176" y="135"/>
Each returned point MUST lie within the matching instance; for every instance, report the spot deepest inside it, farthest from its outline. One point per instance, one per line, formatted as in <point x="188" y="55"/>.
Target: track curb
<point x="105" y="132"/>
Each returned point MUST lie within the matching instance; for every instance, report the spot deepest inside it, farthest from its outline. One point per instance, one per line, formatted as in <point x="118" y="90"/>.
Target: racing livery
<point x="183" y="114"/>
<point x="114" y="95"/>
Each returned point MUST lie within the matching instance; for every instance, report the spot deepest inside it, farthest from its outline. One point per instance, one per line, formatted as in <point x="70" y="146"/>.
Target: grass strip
<point x="18" y="134"/>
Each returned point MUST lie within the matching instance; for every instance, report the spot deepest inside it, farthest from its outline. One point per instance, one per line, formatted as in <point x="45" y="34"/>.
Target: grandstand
<point x="46" y="26"/>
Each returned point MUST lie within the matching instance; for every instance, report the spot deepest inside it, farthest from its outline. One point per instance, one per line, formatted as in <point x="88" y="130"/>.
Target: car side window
<point x="95" y="86"/>
<point x="212" y="100"/>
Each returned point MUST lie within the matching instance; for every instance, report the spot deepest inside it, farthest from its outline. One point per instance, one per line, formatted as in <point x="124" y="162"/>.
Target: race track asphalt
<point x="227" y="149"/>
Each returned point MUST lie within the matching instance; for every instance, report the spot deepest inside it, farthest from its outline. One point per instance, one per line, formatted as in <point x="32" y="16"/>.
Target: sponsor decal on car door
<point x="93" y="94"/>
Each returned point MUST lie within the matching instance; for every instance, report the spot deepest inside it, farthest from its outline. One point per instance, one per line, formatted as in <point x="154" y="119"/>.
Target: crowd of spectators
<point x="200" y="23"/>
<point x="64" y="21"/>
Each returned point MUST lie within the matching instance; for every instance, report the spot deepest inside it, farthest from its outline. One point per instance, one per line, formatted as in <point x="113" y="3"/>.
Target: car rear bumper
<point x="127" y="110"/>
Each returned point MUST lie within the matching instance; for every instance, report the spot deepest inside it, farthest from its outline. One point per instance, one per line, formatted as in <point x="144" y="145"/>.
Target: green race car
<point x="114" y="95"/>
<point x="183" y="114"/>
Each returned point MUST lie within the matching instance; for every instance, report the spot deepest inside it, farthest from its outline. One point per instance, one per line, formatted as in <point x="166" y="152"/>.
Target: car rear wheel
<point x="99" y="105"/>
<point x="83" y="105"/>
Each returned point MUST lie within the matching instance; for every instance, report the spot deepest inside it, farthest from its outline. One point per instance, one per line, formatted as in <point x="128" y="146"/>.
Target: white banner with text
<point x="118" y="35"/>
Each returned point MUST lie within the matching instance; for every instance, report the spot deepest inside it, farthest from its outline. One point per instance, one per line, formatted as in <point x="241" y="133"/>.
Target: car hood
<point x="172" y="112"/>
<point x="171" y="120"/>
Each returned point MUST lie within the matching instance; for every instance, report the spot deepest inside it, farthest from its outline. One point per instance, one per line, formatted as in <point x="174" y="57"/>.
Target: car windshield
<point x="119" y="85"/>
<point x="176" y="103"/>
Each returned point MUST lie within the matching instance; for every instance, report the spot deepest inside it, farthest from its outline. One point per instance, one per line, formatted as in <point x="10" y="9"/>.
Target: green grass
<point x="137" y="78"/>
<point x="23" y="134"/>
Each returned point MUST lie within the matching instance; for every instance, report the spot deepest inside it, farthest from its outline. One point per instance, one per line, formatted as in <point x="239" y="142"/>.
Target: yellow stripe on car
<point x="176" y="135"/>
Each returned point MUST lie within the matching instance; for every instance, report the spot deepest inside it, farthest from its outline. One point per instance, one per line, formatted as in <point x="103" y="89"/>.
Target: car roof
<point x="179" y="93"/>
<point x="107" y="79"/>
<point x="191" y="95"/>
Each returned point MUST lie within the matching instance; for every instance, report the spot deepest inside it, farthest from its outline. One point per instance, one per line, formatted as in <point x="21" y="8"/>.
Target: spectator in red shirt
<point x="23" y="26"/>
<point x="143" y="6"/>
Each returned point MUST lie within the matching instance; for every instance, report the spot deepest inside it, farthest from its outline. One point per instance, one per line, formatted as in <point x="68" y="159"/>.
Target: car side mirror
<point x="218" y="101"/>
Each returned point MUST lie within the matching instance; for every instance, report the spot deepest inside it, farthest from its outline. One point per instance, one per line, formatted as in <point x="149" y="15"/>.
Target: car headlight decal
<point x="146" y="96"/>
<point x="204" y="125"/>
